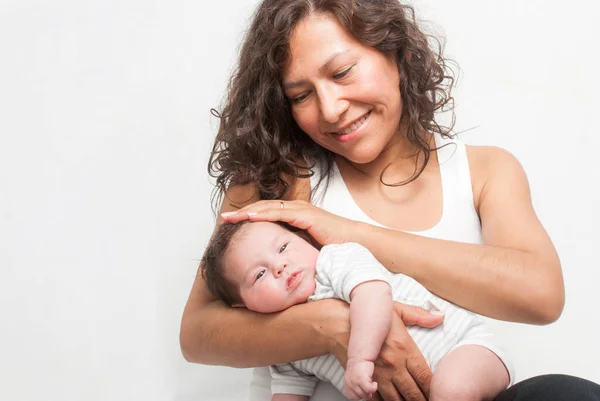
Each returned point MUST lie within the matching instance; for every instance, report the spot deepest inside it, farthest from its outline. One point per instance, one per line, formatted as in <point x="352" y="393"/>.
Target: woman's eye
<point x="342" y="74"/>
<point x="283" y="248"/>
<point x="260" y="274"/>
<point x="299" y="99"/>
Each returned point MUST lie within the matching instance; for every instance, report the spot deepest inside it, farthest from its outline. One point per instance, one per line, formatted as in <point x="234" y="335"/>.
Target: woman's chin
<point x="361" y="157"/>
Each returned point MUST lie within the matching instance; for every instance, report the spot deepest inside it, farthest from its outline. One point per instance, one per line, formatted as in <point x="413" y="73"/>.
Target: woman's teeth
<point x="355" y="125"/>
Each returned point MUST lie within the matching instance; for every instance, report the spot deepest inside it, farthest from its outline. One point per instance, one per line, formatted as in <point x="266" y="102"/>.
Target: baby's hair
<point x="212" y="266"/>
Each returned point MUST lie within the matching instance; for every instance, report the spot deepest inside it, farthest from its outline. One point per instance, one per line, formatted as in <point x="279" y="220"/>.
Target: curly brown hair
<point x="258" y="140"/>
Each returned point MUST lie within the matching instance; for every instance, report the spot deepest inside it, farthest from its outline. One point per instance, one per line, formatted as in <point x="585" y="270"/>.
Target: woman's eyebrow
<point x="324" y="67"/>
<point x="331" y="59"/>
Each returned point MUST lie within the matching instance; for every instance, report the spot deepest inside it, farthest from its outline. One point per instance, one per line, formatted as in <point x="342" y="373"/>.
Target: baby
<point x="267" y="267"/>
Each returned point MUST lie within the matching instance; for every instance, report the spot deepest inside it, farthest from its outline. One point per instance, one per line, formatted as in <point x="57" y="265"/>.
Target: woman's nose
<point x="332" y="106"/>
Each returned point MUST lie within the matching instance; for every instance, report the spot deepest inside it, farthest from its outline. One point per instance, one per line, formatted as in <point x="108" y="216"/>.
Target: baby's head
<point x="263" y="266"/>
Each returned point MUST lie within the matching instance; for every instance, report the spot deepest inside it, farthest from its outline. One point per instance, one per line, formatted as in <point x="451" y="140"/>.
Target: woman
<point x="333" y="105"/>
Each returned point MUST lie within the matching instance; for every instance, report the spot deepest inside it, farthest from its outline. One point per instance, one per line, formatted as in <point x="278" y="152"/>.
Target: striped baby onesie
<point x="340" y="268"/>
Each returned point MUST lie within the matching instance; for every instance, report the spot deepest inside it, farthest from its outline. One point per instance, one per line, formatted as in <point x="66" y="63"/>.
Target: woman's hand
<point x="401" y="371"/>
<point x="326" y="228"/>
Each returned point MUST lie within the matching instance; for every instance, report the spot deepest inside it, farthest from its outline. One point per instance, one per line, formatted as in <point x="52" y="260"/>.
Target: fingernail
<point x="431" y="306"/>
<point x="252" y="213"/>
<point x="436" y="313"/>
<point x="227" y="214"/>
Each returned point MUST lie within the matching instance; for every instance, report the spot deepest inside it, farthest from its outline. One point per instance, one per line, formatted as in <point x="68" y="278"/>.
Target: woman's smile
<point x="351" y="103"/>
<point x="351" y="131"/>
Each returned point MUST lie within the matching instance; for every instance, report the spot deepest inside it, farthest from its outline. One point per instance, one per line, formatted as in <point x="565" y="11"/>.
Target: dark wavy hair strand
<point x="258" y="140"/>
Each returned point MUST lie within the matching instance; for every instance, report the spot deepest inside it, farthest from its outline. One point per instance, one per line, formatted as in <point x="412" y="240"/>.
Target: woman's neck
<point x="396" y="163"/>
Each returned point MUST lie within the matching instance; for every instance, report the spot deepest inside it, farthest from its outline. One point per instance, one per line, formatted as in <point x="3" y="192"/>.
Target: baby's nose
<point x="281" y="268"/>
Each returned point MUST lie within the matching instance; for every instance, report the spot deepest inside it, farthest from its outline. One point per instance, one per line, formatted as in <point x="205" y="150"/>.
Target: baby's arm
<point x="371" y="308"/>
<point x="289" y="397"/>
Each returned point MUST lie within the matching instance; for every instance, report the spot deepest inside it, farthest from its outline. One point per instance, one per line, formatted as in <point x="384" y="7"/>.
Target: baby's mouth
<point x="292" y="280"/>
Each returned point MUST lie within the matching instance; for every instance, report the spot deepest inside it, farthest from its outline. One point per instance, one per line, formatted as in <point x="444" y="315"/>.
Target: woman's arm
<point x="515" y="276"/>
<point x="212" y="333"/>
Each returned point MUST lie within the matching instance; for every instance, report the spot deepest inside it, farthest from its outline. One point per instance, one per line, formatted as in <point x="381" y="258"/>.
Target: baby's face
<point x="273" y="267"/>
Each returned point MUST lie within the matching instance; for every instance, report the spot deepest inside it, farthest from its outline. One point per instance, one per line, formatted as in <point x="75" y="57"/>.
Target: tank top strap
<point x="456" y="175"/>
<point x="459" y="214"/>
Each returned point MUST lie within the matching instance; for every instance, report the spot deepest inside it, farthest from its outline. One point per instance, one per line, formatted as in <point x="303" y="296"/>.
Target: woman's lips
<point x="349" y="136"/>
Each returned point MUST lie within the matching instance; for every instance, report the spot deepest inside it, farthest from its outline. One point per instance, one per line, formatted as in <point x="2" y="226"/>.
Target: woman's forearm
<point x="215" y="334"/>
<point x="501" y="283"/>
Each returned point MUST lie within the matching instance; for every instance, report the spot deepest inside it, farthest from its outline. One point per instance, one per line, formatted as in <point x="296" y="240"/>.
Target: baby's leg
<point x="469" y="373"/>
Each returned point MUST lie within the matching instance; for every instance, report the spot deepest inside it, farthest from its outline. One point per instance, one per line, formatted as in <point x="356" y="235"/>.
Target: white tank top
<point x="459" y="222"/>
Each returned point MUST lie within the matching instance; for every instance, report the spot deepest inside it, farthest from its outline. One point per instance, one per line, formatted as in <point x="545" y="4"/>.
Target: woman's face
<point x="343" y="94"/>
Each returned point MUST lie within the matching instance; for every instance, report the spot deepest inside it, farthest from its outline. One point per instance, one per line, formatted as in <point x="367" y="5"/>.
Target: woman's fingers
<point x="415" y="364"/>
<point x="408" y="388"/>
<point x="274" y="210"/>
<point x="401" y="370"/>
<point x="415" y="316"/>
<point x="419" y="370"/>
<point x="324" y="227"/>
<point x="388" y="391"/>
<point x="375" y="397"/>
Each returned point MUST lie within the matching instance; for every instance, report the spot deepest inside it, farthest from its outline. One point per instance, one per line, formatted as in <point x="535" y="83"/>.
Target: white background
<point x="104" y="197"/>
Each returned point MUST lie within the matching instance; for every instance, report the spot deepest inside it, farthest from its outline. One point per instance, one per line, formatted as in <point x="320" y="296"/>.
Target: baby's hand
<point x="358" y="380"/>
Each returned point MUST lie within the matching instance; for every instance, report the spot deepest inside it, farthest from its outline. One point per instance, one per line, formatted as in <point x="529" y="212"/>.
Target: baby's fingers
<point x="359" y="391"/>
<point x="367" y="389"/>
<point x="351" y="394"/>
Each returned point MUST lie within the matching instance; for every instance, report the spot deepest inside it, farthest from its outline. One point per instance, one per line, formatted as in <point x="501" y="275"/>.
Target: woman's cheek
<point x="307" y="120"/>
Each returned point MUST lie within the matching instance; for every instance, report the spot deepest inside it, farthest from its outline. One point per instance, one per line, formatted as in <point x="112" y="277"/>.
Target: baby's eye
<point x="260" y="274"/>
<point x="283" y="247"/>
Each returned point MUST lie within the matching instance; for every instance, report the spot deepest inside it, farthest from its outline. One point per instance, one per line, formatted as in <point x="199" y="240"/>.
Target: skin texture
<point x="273" y="268"/>
<point x="364" y="83"/>
<point x="516" y="275"/>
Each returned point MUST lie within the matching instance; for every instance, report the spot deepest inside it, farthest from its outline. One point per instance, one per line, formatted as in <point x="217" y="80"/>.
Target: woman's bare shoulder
<point x="299" y="189"/>
<point x="487" y="161"/>
<point x="238" y="196"/>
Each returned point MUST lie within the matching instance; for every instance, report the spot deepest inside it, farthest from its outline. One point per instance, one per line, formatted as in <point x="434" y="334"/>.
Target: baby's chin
<point x="274" y="308"/>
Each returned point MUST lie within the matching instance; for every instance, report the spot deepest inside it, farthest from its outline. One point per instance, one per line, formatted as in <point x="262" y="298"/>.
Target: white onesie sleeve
<point x="342" y="267"/>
